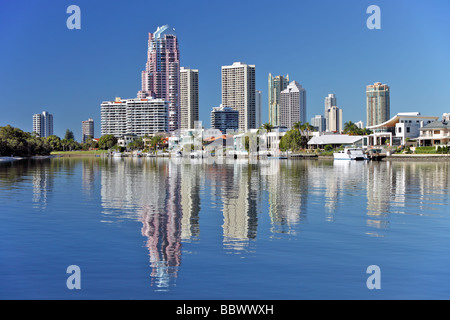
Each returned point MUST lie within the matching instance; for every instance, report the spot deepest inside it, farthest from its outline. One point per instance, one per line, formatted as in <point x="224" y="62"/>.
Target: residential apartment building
<point x="319" y="122"/>
<point x="161" y="77"/>
<point x="43" y="124"/>
<point x="138" y="117"/>
<point x="378" y="103"/>
<point x="334" y="116"/>
<point x="330" y="101"/>
<point x="224" y="119"/>
<point x="188" y="98"/>
<point x="258" y="119"/>
<point x="292" y="105"/>
<point x="276" y="85"/>
<point x="238" y="92"/>
<point x="87" y="129"/>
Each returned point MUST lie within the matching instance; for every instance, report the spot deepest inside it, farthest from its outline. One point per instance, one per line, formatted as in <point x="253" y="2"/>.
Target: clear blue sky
<point x="324" y="45"/>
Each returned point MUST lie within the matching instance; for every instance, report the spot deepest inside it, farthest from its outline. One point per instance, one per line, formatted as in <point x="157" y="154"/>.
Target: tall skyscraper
<point x="238" y="92"/>
<point x="276" y="85"/>
<point x="87" y="129"/>
<point x="188" y="98"/>
<point x="161" y="77"/>
<point x="224" y="118"/>
<point x="292" y="105"/>
<point x="378" y="104"/>
<point x="330" y="101"/>
<point x="43" y="124"/>
<point x="139" y="116"/>
<point x="258" y="119"/>
<point x="334" y="119"/>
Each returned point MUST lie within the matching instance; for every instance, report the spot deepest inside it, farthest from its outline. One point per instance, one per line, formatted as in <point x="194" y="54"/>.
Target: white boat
<point x="350" y="154"/>
<point x="117" y="155"/>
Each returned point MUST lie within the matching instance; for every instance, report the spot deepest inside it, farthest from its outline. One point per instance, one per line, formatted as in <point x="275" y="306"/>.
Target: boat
<point x="350" y="154"/>
<point x="117" y="155"/>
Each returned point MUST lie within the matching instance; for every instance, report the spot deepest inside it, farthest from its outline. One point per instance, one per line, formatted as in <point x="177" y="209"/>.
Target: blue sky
<point x="323" y="44"/>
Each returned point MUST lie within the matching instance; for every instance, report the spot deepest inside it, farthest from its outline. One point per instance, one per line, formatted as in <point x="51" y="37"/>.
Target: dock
<point x="303" y="156"/>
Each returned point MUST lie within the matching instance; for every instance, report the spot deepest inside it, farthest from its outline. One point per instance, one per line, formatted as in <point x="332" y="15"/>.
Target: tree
<point x="55" y="142"/>
<point x="69" y="135"/>
<point x="14" y="141"/>
<point x="107" y="142"/>
<point x="267" y="126"/>
<point x="352" y="129"/>
<point x="293" y="140"/>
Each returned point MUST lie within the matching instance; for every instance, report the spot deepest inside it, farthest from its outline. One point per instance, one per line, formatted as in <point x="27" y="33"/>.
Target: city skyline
<point x="71" y="78"/>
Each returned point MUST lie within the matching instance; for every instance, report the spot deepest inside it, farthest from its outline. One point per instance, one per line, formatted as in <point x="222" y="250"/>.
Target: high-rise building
<point x="238" y="92"/>
<point x="330" y="101"/>
<point x="87" y="129"/>
<point x="258" y="119"/>
<point x="319" y="122"/>
<point x="43" y="124"/>
<point x="378" y="104"/>
<point x="334" y="123"/>
<point x="161" y="77"/>
<point x="224" y="118"/>
<point x="139" y="116"/>
<point x="276" y="85"/>
<point x="292" y="105"/>
<point x="188" y="98"/>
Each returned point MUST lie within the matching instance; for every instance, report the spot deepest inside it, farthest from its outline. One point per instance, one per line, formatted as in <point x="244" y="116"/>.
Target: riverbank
<point x="417" y="157"/>
<point x="96" y="153"/>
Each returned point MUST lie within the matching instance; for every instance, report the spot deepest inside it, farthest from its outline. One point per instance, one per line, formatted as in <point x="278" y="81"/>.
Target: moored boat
<point x="350" y="154"/>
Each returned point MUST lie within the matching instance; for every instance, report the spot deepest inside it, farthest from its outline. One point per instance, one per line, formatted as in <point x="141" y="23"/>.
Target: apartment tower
<point x="276" y="85"/>
<point x="188" y="98"/>
<point x="87" y="129"/>
<point x="43" y="124"/>
<point x="378" y="104"/>
<point x="161" y="77"/>
<point x="292" y="105"/>
<point x="238" y="92"/>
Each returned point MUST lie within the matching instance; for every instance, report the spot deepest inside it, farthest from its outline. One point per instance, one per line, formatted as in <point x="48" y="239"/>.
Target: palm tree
<point x="267" y="126"/>
<point x="297" y="126"/>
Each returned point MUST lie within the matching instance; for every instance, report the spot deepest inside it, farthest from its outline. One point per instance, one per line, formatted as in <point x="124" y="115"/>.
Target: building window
<point x="408" y="129"/>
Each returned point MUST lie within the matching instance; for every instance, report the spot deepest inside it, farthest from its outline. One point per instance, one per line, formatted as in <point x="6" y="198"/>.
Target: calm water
<point x="165" y="229"/>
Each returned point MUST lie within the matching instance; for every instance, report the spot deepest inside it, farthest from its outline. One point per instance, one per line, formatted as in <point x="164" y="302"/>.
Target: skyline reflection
<point x="175" y="199"/>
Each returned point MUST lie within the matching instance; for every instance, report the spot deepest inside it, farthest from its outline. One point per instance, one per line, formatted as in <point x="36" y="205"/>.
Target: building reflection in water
<point x="166" y="196"/>
<point x="239" y="210"/>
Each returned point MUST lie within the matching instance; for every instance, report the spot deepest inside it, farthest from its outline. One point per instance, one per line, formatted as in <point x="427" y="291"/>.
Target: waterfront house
<point x="435" y="133"/>
<point x="336" y="141"/>
<point x="400" y="128"/>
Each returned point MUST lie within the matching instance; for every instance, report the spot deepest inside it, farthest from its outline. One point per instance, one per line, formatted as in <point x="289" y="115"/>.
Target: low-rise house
<point x="435" y="133"/>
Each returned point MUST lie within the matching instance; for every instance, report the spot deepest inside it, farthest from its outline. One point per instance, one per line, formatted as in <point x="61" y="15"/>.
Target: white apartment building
<point x="188" y="98"/>
<point x="43" y="124"/>
<point x="138" y="117"/>
<point x="334" y="119"/>
<point x="292" y="105"/>
<point x="238" y="92"/>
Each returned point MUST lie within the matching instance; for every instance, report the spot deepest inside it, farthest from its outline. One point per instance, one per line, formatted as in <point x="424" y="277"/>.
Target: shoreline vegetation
<point x="16" y="144"/>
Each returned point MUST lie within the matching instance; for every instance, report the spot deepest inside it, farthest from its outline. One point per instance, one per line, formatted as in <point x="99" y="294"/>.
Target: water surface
<point x="142" y="228"/>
